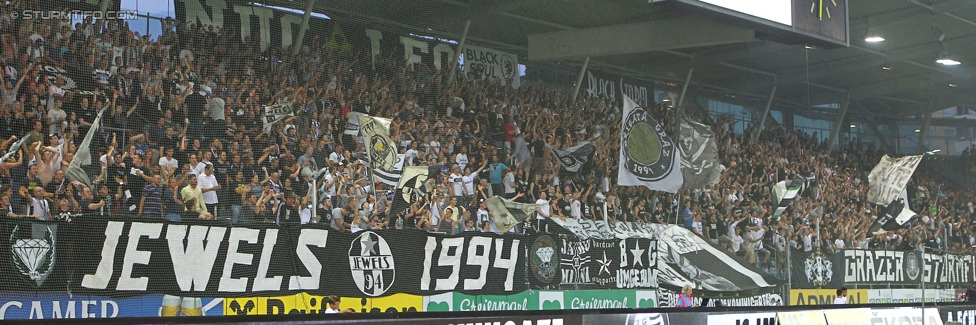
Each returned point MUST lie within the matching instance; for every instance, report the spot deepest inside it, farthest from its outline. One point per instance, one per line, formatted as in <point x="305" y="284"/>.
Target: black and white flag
<point x="889" y="177"/>
<point x="572" y="159"/>
<point x="380" y="149"/>
<point x="784" y="193"/>
<point x="508" y="213"/>
<point x="274" y="113"/>
<point x="391" y="178"/>
<point x="648" y="157"/>
<point x="415" y="184"/>
<point x="699" y="155"/>
<point x="895" y="216"/>
<point x="13" y="149"/>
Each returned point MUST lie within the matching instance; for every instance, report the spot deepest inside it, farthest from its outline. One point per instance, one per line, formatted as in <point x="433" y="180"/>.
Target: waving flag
<point x="84" y="157"/>
<point x="575" y="157"/>
<point x="508" y="213"/>
<point x="699" y="154"/>
<point x="648" y="157"/>
<point x="413" y="186"/>
<point x="889" y="177"/>
<point x="380" y="149"/>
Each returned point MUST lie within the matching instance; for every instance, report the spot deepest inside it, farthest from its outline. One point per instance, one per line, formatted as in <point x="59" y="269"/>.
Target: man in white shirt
<point x="55" y="117"/>
<point x="457" y="181"/>
<point x="167" y="163"/>
<point x="839" y="243"/>
<point x="510" y="186"/>
<point x="696" y="225"/>
<point x="841" y="296"/>
<point x="411" y="154"/>
<point x="544" y="211"/>
<point x="40" y="206"/>
<point x="461" y="159"/>
<point x="209" y="186"/>
<point x="736" y="241"/>
<point x="482" y="214"/>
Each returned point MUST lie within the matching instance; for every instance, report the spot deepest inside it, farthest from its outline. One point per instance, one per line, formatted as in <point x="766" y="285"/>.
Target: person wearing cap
<point x="208" y="187"/>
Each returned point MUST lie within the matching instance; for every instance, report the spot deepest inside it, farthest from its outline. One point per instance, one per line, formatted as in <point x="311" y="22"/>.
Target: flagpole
<point x="677" y="209"/>
<point x="315" y="199"/>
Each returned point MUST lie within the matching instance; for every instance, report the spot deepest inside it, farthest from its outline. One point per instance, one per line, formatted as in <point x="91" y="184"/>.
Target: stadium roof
<point x="897" y="78"/>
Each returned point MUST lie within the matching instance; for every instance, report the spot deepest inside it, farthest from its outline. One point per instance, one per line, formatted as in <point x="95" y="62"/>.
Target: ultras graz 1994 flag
<point x="648" y="157"/>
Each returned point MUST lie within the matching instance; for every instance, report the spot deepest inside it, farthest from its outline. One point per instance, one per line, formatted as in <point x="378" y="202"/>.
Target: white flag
<point x="648" y="157"/>
<point x="352" y="124"/>
<point x="380" y="149"/>
<point x="889" y="177"/>
<point x="275" y="113"/>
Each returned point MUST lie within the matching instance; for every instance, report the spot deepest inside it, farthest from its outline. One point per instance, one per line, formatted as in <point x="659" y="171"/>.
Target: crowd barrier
<point x="908" y="314"/>
<point x="60" y="305"/>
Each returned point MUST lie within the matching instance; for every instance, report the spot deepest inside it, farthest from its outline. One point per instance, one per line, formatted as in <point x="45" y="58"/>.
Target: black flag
<point x="572" y="159"/>
<point x="414" y="186"/>
<point x="895" y="216"/>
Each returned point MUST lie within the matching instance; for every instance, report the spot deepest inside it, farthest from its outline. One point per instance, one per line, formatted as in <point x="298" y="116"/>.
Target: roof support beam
<point x="845" y="103"/>
<point x="657" y="35"/>
<point x="923" y="132"/>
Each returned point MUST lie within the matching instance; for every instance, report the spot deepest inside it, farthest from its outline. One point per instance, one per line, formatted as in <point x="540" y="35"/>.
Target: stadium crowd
<point x="182" y="137"/>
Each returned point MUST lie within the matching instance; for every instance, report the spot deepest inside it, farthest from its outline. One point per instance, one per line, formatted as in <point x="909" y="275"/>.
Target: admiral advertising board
<point x="803" y="297"/>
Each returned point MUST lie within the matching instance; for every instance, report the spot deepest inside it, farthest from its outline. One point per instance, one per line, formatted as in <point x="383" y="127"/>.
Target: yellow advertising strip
<point x="305" y="303"/>
<point x="806" y="297"/>
<point x="812" y="317"/>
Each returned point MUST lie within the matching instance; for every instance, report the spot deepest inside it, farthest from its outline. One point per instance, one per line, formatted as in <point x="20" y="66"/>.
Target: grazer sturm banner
<point x="216" y="260"/>
<point x="599" y="84"/>
<point x="851" y="266"/>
